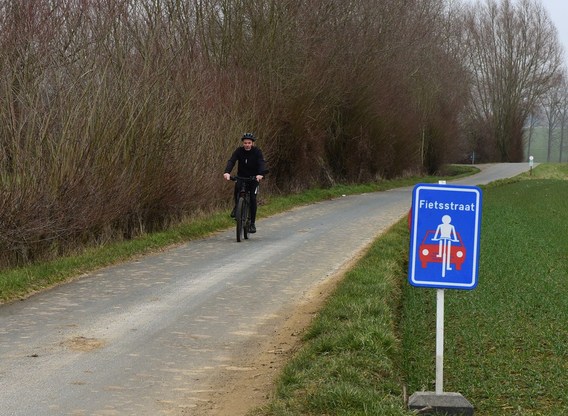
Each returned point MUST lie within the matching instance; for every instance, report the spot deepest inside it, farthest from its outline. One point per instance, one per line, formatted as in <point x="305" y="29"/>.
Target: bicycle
<point x="242" y="209"/>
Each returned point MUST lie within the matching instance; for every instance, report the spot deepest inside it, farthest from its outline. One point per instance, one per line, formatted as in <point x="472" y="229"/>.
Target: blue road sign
<point x="444" y="236"/>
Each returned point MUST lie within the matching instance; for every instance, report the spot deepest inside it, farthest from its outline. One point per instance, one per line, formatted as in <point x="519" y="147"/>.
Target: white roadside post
<point x="531" y="164"/>
<point x="444" y="254"/>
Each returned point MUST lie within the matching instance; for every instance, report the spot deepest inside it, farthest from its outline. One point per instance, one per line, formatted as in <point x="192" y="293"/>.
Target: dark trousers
<point x="253" y="188"/>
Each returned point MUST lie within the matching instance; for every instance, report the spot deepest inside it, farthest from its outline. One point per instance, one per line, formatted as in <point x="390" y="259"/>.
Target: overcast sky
<point x="558" y="12"/>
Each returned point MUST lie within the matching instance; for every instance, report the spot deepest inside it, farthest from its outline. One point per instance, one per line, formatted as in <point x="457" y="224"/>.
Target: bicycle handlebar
<point x="241" y="178"/>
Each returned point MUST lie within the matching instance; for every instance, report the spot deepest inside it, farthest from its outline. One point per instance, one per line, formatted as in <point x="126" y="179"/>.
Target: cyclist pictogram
<point x="445" y="234"/>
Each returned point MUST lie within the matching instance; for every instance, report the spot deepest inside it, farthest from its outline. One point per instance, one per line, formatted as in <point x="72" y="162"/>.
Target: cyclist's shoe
<point x="252" y="229"/>
<point x="233" y="212"/>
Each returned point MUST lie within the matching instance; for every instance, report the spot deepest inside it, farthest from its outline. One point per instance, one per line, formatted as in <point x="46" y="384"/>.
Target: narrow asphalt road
<point x="142" y="338"/>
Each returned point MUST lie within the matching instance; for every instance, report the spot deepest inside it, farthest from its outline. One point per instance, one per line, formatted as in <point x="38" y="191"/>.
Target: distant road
<point x="145" y="337"/>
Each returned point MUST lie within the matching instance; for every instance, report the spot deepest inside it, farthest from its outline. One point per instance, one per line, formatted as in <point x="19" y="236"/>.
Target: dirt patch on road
<point x="83" y="344"/>
<point x="248" y="382"/>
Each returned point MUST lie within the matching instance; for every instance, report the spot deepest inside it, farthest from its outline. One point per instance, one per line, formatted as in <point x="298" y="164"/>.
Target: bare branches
<point x="515" y="59"/>
<point x="115" y="115"/>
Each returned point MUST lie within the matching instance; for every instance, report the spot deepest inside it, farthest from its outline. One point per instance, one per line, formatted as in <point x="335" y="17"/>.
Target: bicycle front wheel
<point x="240" y="215"/>
<point x="246" y="218"/>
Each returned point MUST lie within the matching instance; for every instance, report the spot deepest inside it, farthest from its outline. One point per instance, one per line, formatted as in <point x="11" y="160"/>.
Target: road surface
<point x="146" y="337"/>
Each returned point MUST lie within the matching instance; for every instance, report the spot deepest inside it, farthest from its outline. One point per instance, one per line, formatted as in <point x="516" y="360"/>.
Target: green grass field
<point x="539" y="146"/>
<point x="506" y="346"/>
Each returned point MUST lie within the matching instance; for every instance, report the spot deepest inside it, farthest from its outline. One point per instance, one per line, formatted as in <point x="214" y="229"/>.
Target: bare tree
<point x="551" y="107"/>
<point x="563" y="114"/>
<point x="532" y="122"/>
<point x="515" y="58"/>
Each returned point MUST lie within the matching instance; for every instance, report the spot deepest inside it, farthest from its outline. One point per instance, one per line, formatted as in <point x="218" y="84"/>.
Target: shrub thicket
<point x="117" y="116"/>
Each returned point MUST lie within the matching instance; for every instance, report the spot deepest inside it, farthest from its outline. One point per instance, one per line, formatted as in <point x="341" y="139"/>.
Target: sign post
<point x="444" y="254"/>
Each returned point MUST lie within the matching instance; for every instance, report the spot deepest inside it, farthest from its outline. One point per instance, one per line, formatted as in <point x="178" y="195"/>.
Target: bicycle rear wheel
<point x="240" y="216"/>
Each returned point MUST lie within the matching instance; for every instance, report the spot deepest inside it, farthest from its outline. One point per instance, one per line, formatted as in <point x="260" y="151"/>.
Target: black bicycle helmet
<point x="248" y="136"/>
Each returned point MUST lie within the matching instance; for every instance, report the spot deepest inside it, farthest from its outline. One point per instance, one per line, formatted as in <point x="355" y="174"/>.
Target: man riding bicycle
<point x="250" y="164"/>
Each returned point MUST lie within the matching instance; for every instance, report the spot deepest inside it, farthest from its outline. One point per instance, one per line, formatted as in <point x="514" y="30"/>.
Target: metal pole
<point x="440" y="341"/>
<point x="440" y="333"/>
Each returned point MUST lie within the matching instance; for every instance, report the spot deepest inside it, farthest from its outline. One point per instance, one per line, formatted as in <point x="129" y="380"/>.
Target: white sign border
<point x="437" y="284"/>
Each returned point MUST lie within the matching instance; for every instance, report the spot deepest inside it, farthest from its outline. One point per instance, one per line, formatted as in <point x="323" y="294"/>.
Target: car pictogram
<point x="429" y="251"/>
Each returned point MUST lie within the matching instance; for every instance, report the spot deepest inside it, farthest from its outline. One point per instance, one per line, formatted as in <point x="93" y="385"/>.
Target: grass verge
<point x="351" y="361"/>
<point x="506" y="346"/>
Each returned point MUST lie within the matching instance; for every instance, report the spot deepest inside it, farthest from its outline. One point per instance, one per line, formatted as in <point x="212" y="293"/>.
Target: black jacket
<point x="251" y="163"/>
